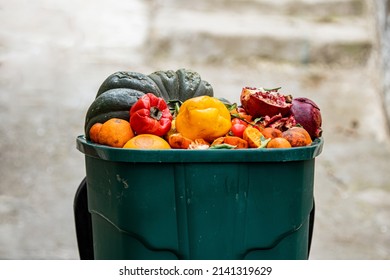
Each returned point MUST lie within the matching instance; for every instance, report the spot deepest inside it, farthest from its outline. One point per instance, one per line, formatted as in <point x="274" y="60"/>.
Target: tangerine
<point x="178" y="141"/>
<point x="94" y="132"/>
<point x="147" y="141"/>
<point x="238" y="142"/>
<point x="304" y="132"/>
<point x="296" y="138"/>
<point x="115" y="133"/>
<point x="270" y="132"/>
<point x="252" y="136"/>
<point x="278" y="142"/>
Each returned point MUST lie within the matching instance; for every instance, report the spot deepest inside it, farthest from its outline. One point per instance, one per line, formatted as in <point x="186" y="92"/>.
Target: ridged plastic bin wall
<point x="200" y="204"/>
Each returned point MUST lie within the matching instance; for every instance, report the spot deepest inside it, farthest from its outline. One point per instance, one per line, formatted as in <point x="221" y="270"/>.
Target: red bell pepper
<point x="150" y="115"/>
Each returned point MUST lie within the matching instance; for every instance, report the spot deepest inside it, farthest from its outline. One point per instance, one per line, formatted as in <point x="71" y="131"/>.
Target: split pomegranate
<point x="279" y="122"/>
<point x="259" y="102"/>
<point x="307" y="114"/>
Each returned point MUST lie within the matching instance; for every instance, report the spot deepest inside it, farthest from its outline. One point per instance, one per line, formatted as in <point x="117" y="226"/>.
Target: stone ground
<point x="55" y="54"/>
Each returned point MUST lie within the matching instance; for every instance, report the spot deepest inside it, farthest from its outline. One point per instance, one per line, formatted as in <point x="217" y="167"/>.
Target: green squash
<point x="191" y="85"/>
<point x="122" y="89"/>
<point x="181" y="85"/>
<point x="113" y="103"/>
<point x="168" y="83"/>
<point x="133" y="80"/>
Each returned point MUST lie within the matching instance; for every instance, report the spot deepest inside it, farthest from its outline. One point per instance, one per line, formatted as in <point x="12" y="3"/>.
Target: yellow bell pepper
<point x="203" y="117"/>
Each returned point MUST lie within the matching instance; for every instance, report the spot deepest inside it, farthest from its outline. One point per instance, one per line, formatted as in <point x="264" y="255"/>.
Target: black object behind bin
<point x="83" y="222"/>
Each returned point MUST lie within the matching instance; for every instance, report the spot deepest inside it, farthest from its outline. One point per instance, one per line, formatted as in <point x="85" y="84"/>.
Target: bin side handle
<point x="139" y="238"/>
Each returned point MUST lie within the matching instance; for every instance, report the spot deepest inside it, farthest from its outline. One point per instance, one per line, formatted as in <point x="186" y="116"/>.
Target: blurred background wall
<point x="55" y="54"/>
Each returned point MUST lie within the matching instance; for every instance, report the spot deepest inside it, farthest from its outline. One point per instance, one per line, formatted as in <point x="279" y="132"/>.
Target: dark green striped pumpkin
<point x="122" y="89"/>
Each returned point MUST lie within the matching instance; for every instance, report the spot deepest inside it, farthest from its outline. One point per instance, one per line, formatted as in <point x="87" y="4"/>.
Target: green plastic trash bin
<point x="200" y="204"/>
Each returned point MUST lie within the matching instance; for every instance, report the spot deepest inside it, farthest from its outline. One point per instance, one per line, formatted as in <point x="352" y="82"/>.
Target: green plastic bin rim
<point x="218" y="155"/>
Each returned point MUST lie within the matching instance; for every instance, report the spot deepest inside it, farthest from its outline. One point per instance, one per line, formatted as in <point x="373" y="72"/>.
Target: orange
<point x="238" y="142"/>
<point x="115" y="133"/>
<point x="252" y="136"/>
<point x="296" y="138"/>
<point x="304" y="132"/>
<point x="147" y="141"/>
<point x="270" y="132"/>
<point x="278" y="142"/>
<point x="178" y="141"/>
<point x="94" y="132"/>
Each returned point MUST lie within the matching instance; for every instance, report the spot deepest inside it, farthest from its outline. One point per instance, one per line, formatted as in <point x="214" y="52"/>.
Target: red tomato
<point x="238" y="127"/>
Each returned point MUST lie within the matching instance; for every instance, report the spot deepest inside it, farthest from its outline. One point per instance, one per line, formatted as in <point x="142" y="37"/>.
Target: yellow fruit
<point x="203" y="117"/>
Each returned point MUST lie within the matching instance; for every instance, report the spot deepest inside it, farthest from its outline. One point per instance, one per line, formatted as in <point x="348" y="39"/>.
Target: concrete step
<point x="210" y="34"/>
<point x="318" y="8"/>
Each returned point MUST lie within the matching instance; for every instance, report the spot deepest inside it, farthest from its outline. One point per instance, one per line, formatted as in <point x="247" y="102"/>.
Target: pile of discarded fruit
<point x="177" y="110"/>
